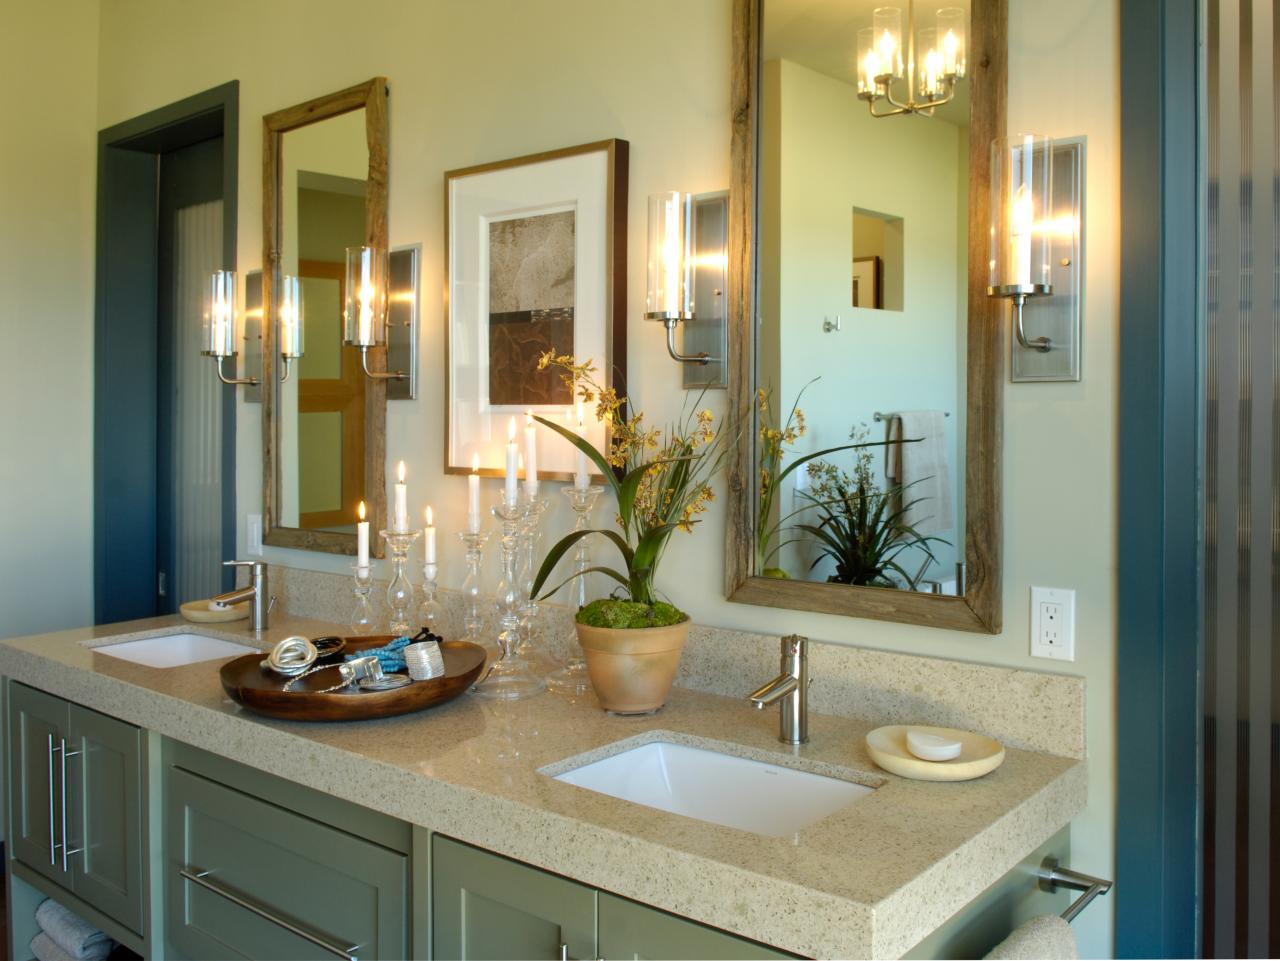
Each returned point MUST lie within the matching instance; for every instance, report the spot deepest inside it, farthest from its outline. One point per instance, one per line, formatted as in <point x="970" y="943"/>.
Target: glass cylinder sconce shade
<point x="929" y="64"/>
<point x="868" y="64"/>
<point x="291" y="318"/>
<point x="365" y="297"/>
<point x="218" y="326"/>
<point x="951" y="37"/>
<point x="886" y="25"/>
<point x="670" y="290"/>
<point x="1021" y="178"/>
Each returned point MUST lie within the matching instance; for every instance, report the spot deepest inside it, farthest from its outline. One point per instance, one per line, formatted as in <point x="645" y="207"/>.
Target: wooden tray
<point x="262" y="691"/>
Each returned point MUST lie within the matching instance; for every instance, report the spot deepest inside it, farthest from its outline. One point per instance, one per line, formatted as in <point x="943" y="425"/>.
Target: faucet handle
<point x="254" y="564"/>
<point x="794" y="645"/>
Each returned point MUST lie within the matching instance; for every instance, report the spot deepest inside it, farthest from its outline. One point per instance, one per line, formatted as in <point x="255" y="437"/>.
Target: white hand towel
<point x="1046" y="936"/>
<point x="924" y="470"/>
<point x="44" y="948"/>
<point x="73" y="935"/>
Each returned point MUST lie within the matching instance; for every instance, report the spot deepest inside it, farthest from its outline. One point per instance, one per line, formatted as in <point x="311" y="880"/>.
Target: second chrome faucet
<point x="791" y="689"/>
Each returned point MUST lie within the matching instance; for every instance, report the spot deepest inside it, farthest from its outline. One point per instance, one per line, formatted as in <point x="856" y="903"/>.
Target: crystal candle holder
<point x="532" y="646"/>
<point x="572" y="679"/>
<point x="511" y="677"/>
<point x="431" y="611"/>
<point x="473" y="620"/>
<point x="362" y="613"/>
<point x="400" y="590"/>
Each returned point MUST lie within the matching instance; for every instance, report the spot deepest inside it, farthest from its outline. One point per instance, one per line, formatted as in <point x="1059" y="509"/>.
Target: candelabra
<point x="573" y="679"/>
<point x="362" y="615"/>
<point x="400" y="590"/>
<point x="511" y="676"/>
<point x="473" y="622"/>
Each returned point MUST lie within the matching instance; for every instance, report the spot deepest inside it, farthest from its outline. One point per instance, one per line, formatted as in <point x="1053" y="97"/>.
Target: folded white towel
<point x="924" y="469"/>
<point x="44" y="948"/>
<point x="76" y="937"/>
<point x="1046" y="936"/>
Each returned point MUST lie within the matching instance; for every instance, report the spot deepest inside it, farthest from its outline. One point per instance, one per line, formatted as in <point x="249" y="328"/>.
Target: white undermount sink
<point x="733" y="791"/>
<point x="174" y="650"/>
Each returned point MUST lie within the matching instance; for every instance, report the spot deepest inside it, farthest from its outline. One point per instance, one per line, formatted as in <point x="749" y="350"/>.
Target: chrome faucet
<point x="791" y="687"/>
<point x="255" y="593"/>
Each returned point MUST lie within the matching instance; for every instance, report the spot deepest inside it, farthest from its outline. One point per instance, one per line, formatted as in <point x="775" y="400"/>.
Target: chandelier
<point x="930" y="62"/>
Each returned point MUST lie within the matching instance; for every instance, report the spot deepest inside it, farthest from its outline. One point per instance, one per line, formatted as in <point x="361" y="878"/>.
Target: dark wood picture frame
<point x="614" y="365"/>
<point x="370" y="96"/>
<point x="980" y="609"/>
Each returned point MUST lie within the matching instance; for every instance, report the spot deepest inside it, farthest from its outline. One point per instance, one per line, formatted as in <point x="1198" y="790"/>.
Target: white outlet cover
<point x="1056" y="642"/>
<point x="253" y="535"/>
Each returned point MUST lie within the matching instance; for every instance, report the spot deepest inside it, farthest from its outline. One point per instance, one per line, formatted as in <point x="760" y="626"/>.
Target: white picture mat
<point x="579" y="182"/>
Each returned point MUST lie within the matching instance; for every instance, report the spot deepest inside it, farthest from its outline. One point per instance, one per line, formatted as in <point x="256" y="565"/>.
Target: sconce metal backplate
<point x="402" y="321"/>
<point x="252" y="335"/>
<point x="708" y="332"/>
<point x="1058" y="315"/>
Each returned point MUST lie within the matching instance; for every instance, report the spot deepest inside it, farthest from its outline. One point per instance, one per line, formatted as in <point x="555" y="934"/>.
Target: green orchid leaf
<point x="586" y="447"/>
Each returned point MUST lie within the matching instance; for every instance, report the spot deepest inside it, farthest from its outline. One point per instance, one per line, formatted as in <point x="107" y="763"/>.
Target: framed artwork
<point x="868" y="282"/>
<point x="536" y="262"/>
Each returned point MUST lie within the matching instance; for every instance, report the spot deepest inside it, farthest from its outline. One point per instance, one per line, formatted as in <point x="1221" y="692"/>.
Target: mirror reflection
<point x="321" y="409"/>
<point x="861" y="300"/>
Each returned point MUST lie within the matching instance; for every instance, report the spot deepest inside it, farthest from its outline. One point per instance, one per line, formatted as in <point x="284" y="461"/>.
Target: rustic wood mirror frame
<point x="980" y="608"/>
<point x="372" y="97"/>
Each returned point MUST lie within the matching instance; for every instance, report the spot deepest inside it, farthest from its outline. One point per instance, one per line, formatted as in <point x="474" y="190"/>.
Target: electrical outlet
<point x="253" y="535"/>
<point x="1053" y="623"/>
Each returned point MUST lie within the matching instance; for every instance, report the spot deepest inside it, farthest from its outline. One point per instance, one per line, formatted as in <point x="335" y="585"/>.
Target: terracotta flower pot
<point x="633" y="670"/>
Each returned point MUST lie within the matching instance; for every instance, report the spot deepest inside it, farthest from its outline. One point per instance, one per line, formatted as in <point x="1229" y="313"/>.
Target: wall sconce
<point x="687" y="267"/>
<point x="1036" y="254"/>
<point x="220" y="324"/>
<point x="365" y="306"/>
<point x="291" y="322"/>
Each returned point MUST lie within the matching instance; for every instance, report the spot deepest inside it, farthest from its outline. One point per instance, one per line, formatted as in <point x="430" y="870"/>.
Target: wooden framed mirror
<point x="858" y="256"/>
<point x="324" y="188"/>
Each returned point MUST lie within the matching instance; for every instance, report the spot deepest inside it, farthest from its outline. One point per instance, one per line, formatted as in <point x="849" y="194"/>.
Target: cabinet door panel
<point x="634" y="931"/>
<point x="271" y="878"/>
<point x="104" y="820"/>
<point x="34" y="770"/>
<point x="488" y="908"/>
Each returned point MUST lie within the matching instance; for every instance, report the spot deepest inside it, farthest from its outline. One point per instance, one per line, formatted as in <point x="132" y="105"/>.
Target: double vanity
<point x="143" y="798"/>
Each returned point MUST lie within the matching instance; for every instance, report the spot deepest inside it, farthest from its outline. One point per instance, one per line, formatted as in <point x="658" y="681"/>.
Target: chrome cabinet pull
<point x="53" y="839"/>
<point x="202" y="878"/>
<point x="65" y="845"/>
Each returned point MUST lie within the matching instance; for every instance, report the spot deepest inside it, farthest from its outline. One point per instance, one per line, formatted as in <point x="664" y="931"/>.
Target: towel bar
<point x="1053" y="877"/>
<point x="879" y="415"/>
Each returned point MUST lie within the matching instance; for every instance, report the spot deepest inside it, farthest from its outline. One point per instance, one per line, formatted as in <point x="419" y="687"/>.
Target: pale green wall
<point x="475" y="82"/>
<point x="48" y="72"/>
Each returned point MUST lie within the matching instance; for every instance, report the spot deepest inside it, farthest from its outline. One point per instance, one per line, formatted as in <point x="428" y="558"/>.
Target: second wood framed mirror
<point x="324" y="189"/>
<point x="858" y="274"/>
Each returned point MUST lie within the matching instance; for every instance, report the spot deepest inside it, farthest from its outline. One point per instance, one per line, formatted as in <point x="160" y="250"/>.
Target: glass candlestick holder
<point x="572" y="679"/>
<point x="473" y="620"/>
<point x="431" y="611"/>
<point x="362" y="613"/>
<point x="511" y="677"/>
<point x="532" y="643"/>
<point x="400" y="590"/>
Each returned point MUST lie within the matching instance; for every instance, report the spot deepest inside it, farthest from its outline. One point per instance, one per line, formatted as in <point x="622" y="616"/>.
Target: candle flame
<point x="360" y="511"/>
<point x="430" y="519"/>
<point x="528" y="418"/>
<point x="400" y="472"/>
<point x="475" y="463"/>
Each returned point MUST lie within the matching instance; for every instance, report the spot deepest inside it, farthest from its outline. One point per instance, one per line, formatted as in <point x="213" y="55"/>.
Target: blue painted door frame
<point x="1160" y="417"/>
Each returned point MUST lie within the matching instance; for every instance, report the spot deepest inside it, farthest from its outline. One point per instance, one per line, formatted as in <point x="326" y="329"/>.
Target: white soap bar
<point x="931" y="747"/>
<point x="219" y="606"/>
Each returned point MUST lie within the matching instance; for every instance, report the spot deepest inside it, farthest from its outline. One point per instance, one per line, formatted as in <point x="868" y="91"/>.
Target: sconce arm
<point x="701" y="359"/>
<point x="1042" y="344"/>
<point x="288" y="367"/>
<point x="377" y="374"/>
<point x="233" y="381"/>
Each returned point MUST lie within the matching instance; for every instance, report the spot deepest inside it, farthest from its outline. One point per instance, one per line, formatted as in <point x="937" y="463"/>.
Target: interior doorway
<point x="164" y="427"/>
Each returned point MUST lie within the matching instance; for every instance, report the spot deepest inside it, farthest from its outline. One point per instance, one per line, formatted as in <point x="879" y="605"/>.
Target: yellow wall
<point x="479" y="81"/>
<point x="48" y="70"/>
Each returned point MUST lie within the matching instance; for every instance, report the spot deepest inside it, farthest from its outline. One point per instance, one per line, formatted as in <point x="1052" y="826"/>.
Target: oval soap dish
<point x="978" y="755"/>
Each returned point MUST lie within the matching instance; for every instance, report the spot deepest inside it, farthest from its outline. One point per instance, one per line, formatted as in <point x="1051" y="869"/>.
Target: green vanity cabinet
<point x="490" y="908"/>
<point x="75" y="800"/>
<point x="273" y="873"/>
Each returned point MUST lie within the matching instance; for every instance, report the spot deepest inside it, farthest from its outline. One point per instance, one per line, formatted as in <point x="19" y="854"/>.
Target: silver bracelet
<point x="350" y="671"/>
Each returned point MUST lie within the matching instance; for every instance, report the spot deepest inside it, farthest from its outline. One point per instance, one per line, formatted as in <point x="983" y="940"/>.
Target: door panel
<point x="488" y="907"/>
<point x="104" y="792"/>
<point x="35" y="718"/>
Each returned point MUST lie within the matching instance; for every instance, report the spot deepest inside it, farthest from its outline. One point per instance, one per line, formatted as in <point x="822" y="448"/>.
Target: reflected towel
<point x="923" y="470"/>
<point x="74" y="936"/>
<point x="1046" y="936"/>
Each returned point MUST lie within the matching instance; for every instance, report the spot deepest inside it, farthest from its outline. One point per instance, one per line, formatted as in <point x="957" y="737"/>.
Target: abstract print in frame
<point x="536" y="263"/>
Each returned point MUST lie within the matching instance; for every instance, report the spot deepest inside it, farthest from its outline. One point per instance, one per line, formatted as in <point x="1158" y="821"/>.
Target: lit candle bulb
<point x="581" y="471"/>
<point x="402" y="501"/>
<point x="362" y="540"/>
<point x="513" y="465"/>
<point x="430" y="548"/>
<point x="473" y="496"/>
<point x="1020" y="237"/>
<point x="530" y="455"/>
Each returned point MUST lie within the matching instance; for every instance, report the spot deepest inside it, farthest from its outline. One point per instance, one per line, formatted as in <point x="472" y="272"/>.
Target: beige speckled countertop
<point x="869" y="881"/>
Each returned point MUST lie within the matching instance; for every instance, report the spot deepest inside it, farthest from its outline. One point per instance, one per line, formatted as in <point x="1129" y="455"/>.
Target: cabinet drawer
<point x="247" y="879"/>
